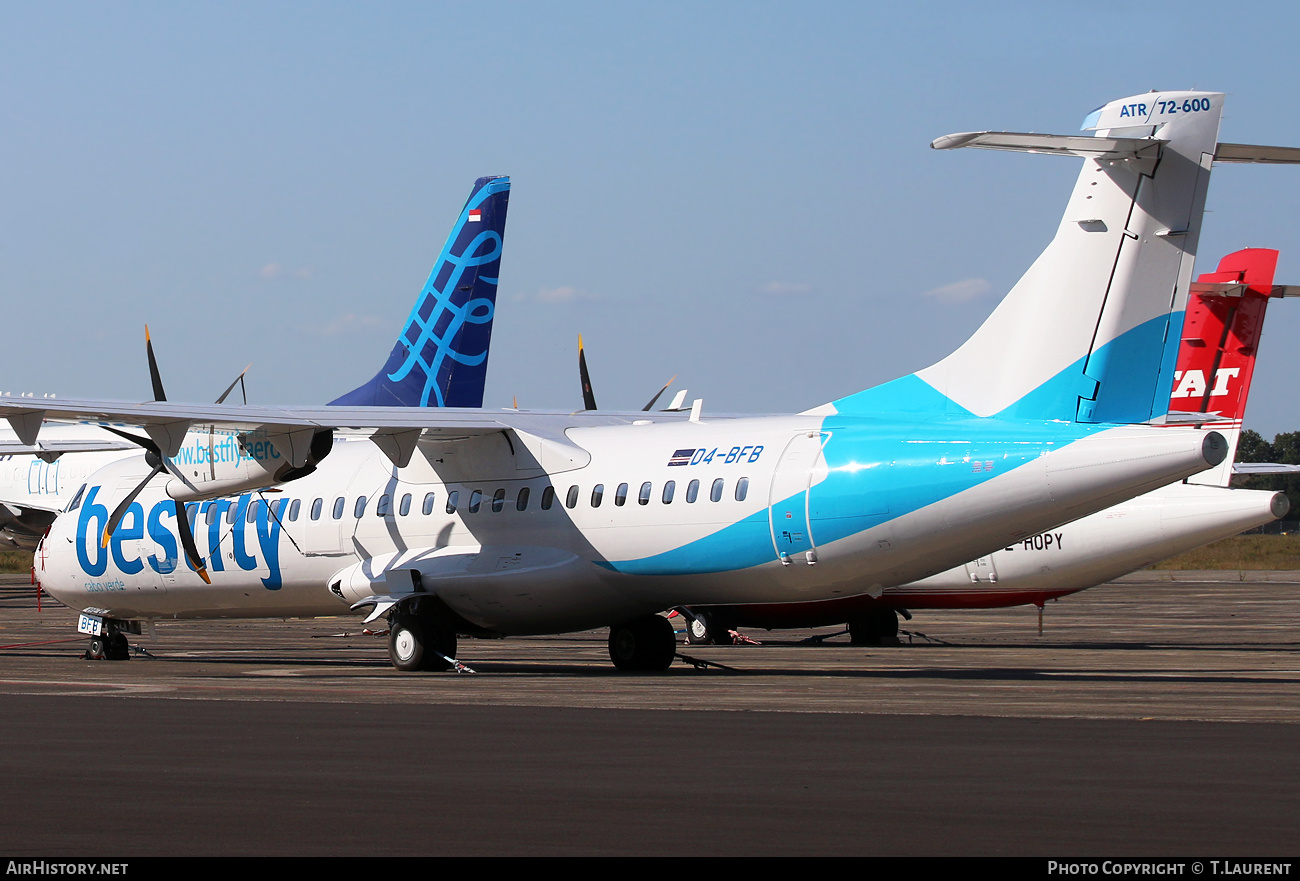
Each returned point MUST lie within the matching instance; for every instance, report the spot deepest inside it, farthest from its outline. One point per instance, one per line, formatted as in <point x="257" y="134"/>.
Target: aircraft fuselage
<point x="665" y="513"/>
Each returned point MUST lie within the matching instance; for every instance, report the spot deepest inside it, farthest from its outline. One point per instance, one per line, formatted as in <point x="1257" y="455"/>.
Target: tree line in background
<point x="1284" y="449"/>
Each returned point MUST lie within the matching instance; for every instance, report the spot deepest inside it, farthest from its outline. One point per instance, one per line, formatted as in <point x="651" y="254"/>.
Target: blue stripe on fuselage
<point x="876" y="471"/>
<point x="879" y="470"/>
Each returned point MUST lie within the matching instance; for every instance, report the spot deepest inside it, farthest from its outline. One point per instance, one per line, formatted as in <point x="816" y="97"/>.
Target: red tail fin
<point x="1225" y="314"/>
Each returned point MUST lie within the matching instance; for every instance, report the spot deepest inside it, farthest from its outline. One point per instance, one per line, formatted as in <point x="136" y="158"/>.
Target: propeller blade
<point x="658" y="393"/>
<point x="187" y="542"/>
<point x="144" y="442"/>
<point x="239" y="381"/>
<point x="154" y="375"/>
<point x="588" y="399"/>
<point x="120" y="511"/>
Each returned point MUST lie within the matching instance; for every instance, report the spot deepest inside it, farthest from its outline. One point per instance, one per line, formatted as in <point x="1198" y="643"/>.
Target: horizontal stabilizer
<point x="1178" y="418"/>
<point x="1254" y="153"/>
<point x="1264" y="468"/>
<point x="1238" y="289"/>
<point x="1061" y="145"/>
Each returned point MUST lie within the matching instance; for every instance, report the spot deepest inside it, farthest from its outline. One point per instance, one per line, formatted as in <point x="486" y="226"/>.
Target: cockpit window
<point x="76" y="500"/>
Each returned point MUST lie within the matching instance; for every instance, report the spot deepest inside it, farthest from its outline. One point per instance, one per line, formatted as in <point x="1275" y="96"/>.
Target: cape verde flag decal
<point x="682" y="457"/>
<point x="475" y="215"/>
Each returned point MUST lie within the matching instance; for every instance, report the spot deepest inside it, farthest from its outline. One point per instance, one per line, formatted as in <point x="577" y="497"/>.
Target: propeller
<point x="588" y="399"/>
<point x="647" y="407"/>
<point x="239" y="381"/>
<point x="154" y="458"/>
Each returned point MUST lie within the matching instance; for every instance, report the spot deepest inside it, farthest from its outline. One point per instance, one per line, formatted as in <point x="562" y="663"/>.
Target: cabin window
<point x="521" y="503"/>
<point x="620" y="495"/>
<point x="381" y="507"/>
<point x="742" y="489"/>
<point x="453" y="499"/>
<point x="427" y="508"/>
<point x="669" y="488"/>
<point x="230" y="513"/>
<point x="715" y="494"/>
<point x="548" y="498"/>
<point x="210" y="515"/>
<point x="643" y="497"/>
<point x="405" y="507"/>
<point x="359" y="508"/>
<point x="692" y="491"/>
<point x="571" y="501"/>
<point x="316" y="507"/>
<point x="251" y="514"/>
<point x="597" y="493"/>
<point x="475" y="500"/>
<point x="294" y="507"/>
<point x="338" y="507"/>
<point x="498" y="501"/>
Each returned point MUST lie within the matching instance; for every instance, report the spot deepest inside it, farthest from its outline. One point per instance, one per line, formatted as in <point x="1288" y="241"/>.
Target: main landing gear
<point x="420" y="641"/>
<point x="643" y="644"/>
<point x="111" y="643"/>
<point x="874" y="627"/>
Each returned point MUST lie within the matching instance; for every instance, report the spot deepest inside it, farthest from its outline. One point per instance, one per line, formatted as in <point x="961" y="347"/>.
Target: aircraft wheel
<point x="875" y="627"/>
<point x="697" y="632"/>
<point x="97" y="650"/>
<point x="643" y="644"/>
<point x="406" y="641"/>
<point x="442" y="642"/>
<point x="118" y="648"/>
<point x="887" y="623"/>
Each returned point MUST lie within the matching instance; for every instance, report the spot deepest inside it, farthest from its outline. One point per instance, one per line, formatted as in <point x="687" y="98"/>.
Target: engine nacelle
<point x="214" y="463"/>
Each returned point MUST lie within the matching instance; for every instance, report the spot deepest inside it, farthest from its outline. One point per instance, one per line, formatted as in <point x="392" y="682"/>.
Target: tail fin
<point x="1090" y="333"/>
<point x="440" y="357"/>
<point x="1216" y="359"/>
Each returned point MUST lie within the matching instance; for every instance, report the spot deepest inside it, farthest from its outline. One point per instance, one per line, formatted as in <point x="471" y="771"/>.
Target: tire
<point x="697" y="631"/>
<point x="420" y="643"/>
<point x="441" y="644"/>
<point x="97" y="650"/>
<point x="118" y="648"/>
<point x="642" y="645"/>
<point x="887" y="624"/>
<point x="875" y="627"/>
<point x="406" y="644"/>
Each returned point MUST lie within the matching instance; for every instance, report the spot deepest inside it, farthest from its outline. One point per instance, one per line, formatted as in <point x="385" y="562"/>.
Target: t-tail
<point x="440" y="358"/>
<point x="1220" y="340"/>
<point x="1091" y="332"/>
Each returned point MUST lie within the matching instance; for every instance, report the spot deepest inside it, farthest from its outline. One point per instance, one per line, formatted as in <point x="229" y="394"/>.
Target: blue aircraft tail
<point x="440" y="357"/>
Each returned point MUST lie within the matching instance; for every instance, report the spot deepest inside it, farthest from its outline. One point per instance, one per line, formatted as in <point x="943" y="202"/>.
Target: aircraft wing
<point x="64" y="446"/>
<point x="392" y="428"/>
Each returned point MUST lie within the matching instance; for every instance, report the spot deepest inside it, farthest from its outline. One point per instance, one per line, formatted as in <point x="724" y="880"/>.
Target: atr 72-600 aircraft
<point x="507" y="522"/>
<point x="1219" y="341"/>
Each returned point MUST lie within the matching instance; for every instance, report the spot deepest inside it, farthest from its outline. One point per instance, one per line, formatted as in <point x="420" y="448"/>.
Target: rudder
<point x="440" y="357"/>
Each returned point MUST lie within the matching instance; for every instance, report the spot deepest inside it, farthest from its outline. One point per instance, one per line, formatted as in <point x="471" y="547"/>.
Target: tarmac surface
<point x="1156" y="716"/>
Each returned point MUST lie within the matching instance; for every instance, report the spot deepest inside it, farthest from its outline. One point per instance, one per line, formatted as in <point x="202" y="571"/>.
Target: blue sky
<point x="738" y="193"/>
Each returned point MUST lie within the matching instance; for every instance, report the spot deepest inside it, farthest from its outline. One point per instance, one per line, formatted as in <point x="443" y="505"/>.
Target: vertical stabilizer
<point x="1090" y="333"/>
<point x="440" y="357"/>
<point x="1220" y="339"/>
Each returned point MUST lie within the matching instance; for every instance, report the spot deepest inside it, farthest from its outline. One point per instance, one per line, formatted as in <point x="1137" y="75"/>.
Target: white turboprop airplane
<point x="507" y="522"/>
<point x="1219" y="342"/>
<point x="37" y="480"/>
